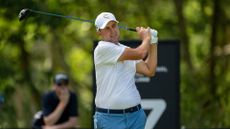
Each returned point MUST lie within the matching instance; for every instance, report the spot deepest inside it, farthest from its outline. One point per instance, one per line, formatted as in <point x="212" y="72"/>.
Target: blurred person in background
<point x="59" y="106"/>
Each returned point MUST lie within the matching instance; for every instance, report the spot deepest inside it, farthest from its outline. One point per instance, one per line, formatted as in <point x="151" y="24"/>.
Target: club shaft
<point x="59" y="15"/>
<point x="131" y="29"/>
<point x="76" y="18"/>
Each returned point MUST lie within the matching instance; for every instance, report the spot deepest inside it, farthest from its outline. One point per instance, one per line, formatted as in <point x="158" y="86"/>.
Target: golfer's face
<point x="110" y="32"/>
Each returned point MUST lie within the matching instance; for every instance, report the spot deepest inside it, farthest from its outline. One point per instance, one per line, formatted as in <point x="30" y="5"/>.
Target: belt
<point x="119" y="111"/>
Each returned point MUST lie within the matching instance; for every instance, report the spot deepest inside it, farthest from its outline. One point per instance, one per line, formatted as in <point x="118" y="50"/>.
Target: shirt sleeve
<point x="108" y="53"/>
<point x="73" y="110"/>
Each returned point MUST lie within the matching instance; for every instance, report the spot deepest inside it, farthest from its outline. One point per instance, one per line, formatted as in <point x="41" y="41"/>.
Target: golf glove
<point x="154" y="38"/>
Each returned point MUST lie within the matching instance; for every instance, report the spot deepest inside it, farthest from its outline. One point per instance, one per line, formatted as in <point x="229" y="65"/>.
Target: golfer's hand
<point x="144" y="33"/>
<point x="64" y="96"/>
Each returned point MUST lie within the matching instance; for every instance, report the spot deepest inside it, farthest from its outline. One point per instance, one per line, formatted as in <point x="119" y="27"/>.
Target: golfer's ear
<point x="99" y="32"/>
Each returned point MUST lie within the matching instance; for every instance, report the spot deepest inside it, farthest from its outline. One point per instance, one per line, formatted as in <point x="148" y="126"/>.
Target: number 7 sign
<point x="157" y="107"/>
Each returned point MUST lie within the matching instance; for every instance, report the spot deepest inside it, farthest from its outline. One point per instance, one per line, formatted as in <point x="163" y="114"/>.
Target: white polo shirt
<point x="116" y="87"/>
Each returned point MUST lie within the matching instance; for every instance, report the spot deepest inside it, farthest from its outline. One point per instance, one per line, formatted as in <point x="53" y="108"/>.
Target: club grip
<point x="131" y="29"/>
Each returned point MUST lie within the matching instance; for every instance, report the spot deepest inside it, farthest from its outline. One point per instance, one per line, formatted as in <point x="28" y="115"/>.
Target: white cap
<point x="103" y="19"/>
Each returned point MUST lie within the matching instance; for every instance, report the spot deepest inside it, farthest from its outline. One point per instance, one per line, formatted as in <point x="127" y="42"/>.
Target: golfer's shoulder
<point x="103" y="46"/>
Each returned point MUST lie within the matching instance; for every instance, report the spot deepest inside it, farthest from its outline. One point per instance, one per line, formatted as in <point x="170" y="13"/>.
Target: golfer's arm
<point x="148" y="67"/>
<point x="55" y="115"/>
<point x="136" y="53"/>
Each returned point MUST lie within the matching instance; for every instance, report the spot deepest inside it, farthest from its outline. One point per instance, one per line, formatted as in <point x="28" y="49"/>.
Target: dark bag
<point x="38" y="121"/>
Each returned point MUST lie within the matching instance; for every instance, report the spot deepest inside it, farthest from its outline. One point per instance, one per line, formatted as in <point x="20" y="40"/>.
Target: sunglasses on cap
<point x="63" y="83"/>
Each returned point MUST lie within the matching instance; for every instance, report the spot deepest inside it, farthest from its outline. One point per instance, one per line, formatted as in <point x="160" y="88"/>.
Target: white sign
<point x="157" y="107"/>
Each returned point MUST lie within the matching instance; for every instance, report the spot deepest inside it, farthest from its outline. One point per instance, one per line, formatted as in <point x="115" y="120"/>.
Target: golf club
<point x="24" y="13"/>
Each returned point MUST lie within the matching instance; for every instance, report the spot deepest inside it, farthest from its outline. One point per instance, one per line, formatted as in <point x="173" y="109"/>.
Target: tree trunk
<point x="26" y="72"/>
<point x="213" y="42"/>
<point x="184" y="35"/>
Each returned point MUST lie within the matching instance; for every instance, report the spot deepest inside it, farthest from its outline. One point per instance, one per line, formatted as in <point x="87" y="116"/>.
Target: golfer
<point x="118" y="102"/>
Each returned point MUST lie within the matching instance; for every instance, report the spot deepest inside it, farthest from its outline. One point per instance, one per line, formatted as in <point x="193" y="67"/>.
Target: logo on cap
<point x="106" y="16"/>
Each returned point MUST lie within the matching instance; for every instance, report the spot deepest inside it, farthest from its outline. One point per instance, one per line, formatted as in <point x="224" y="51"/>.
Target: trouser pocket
<point x="97" y="121"/>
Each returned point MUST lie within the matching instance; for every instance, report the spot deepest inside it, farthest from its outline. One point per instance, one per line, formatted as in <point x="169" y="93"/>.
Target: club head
<point x="23" y="14"/>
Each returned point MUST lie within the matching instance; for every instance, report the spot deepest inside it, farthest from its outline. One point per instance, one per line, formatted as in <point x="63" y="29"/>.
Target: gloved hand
<point x="154" y="38"/>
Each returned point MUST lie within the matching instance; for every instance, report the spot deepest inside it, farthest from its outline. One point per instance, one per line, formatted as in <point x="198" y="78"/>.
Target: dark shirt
<point x="50" y="101"/>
